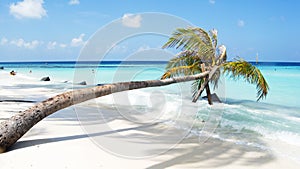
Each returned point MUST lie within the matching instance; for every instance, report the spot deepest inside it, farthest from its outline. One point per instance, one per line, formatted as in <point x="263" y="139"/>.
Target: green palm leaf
<point x="242" y="69"/>
<point x="193" y="39"/>
<point x="215" y="78"/>
<point x="180" y="70"/>
<point x="183" y="58"/>
<point x="186" y="63"/>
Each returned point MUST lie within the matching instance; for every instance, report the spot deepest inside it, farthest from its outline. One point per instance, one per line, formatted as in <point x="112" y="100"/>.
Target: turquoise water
<point x="241" y="119"/>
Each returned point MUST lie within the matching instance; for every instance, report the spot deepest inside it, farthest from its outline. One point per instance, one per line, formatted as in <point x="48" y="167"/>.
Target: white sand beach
<point x="61" y="141"/>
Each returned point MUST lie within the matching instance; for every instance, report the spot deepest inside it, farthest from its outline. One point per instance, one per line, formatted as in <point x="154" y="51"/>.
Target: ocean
<point x="241" y="119"/>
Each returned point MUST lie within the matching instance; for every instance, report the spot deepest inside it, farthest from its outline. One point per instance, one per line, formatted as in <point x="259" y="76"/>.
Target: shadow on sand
<point x="188" y="153"/>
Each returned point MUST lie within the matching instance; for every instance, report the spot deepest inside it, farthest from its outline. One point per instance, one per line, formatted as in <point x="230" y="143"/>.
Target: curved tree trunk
<point x="15" y="127"/>
<point x="208" y="93"/>
<point x="205" y="85"/>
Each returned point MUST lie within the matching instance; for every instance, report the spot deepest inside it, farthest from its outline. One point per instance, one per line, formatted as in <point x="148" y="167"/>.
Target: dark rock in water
<point x="82" y="83"/>
<point x="101" y="84"/>
<point x="214" y="98"/>
<point x="1" y="67"/>
<point x="45" y="79"/>
<point x="20" y="101"/>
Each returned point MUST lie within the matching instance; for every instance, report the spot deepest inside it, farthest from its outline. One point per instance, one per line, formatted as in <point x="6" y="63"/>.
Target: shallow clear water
<point x="241" y="119"/>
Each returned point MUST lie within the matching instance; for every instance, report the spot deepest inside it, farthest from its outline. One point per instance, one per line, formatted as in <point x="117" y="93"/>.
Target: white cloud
<point x="62" y="45"/>
<point x="241" y="23"/>
<point x="32" y="44"/>
<point x="19" y="42"/>
<point x="74" y="2"/>
<point x="51" y="45"/>
<point x="3" y="41"/>
<point x="143" y="48"/>
<point x="118" y="48"/>
<point x="28" y="45"/>
<point x="212" y="1"/>
<point x="131" y="20"/>
<point x="28" y="9"/>
<point x="78" y="41"/>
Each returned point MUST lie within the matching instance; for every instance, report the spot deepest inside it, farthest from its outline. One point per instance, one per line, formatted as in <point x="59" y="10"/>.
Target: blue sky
<point x="58" y="29"/>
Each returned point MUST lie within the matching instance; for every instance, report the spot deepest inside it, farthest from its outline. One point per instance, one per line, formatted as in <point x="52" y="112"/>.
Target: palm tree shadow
<point x="212" y="154"/>
<point x="36" y="142"/>
<point x="209" y="154"/>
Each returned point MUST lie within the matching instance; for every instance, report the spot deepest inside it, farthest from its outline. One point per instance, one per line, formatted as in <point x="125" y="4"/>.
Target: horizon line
<point x="33" y="61"/>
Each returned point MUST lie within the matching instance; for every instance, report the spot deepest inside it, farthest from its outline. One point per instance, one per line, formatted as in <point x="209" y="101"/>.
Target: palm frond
<point x="242" y="69"/>
<point x="214" y="37"/>
<point x="186" y="63"/>
<point x="222" y="54"/>
<point x="194" y="39"/>
<point x="215" y="78"/>
<point x="182" y="59"/>
<point x="181" y="70"/>
<point x="196" y="86"/>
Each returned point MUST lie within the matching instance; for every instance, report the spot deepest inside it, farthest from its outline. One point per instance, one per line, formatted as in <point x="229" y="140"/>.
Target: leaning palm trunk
<point x="205" y="85"/>
<point x="15" y="127"/>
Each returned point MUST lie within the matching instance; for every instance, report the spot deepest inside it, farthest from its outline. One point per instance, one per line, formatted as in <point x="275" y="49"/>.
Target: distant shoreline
<point x="264" y="63"/>
<point x="84" y="62"/>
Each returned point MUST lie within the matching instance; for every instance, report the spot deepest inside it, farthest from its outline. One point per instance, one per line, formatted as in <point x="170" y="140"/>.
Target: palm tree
<point x="16" y="126"/>
<point x="199" y="53"/>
